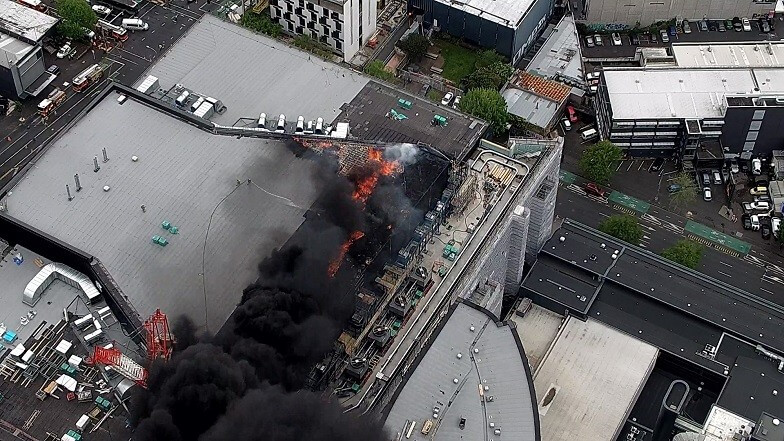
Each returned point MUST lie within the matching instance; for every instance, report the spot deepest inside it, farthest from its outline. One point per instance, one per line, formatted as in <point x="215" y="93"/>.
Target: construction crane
<point x="159" y="339"/>
<point x="121" y="363"/>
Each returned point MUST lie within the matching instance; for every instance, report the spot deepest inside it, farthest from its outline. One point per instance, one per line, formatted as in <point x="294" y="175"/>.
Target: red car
<point x="595" y="190"/>
<point x="572" y="114"/>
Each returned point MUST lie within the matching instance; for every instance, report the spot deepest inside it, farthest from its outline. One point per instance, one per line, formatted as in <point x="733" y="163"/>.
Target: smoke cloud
<point x="245" y="383"/>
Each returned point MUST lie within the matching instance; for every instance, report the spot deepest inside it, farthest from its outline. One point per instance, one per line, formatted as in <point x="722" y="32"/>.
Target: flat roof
<point x="559" y="56"/>
<point x="216" y="58"/>
<point x="664" y="93"/>
<point x="24" y="22"/>
<point x="182" y="175"/>
<point x="504" y="12"/>
<point x="589" y="380"/>
<point x="533" y="108"/>
<point x="491" y="359"/>
<point x="735" y="54"/>
<point x="537" y="329"/>
<point x="13" y="50"/>
<point x="368" y="114"/>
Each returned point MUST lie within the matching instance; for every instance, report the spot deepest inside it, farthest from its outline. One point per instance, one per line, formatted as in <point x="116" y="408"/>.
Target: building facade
<point x="510" y="27"/>
<point x="343" y="26"/>
<point x="646" y="12"/>
<point x="21" y="65"/>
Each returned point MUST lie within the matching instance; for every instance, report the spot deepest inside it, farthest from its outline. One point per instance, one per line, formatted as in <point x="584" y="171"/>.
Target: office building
<point x="646" y="12"/>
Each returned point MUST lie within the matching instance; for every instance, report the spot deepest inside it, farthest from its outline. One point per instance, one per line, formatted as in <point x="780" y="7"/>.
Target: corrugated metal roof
<point x="497" y="364"/>
<point x="560" y="54"/>
<point x="538" y="111"/>
<point x="504" y="12"/>
<point x="24" y="22"/>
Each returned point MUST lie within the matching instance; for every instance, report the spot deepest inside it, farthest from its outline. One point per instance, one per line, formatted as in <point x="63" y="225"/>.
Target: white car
<point x="65" y="50"/>
<point x="746" y="24"/>
<point x="616" y="39"/>
<point x="706" y="194"/>
<point x="755" y="223"/>
<point x="757" y="205"/>
<point x="101" y="9"/>
<point x="775" y="224"/>
<point x="447" y="99"/>
<point x="566" y="124"/>
<point x="456" y="104"/>
<point x="591" y="76"/>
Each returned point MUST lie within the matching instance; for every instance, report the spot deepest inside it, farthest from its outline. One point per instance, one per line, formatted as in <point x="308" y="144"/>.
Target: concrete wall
<point x="646" y="12"/>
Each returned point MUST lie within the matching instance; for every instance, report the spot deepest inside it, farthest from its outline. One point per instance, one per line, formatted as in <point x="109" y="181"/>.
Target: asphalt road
<point x="662" y="229"/>
<point x="20" y="140"/>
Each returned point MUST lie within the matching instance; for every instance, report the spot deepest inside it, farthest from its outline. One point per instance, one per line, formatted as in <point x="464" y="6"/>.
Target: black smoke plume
<point x="245" y="383"/>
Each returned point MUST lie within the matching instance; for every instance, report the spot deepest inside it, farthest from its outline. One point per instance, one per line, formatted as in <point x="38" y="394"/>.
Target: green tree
<point x="76" y="16"/>
<point x="415" y="45"/>
<point x="688" y="190"/>
<point x="261" y="23"/>
<point x="377" y="69"/>
<point x="624" y="227"/>
<point x="597" y="161"/>
<point x="487" y="57"/>
<point x="492" y="76"/>
<point x="686" y="252"/>
<point x="487" y="104"/>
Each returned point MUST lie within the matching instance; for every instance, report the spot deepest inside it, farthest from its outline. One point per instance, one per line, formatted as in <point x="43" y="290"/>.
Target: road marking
<point x="651" y="219"/>
<point x="767" y="291"/>
<point x="602" y="214"/>
<point x="630" y="165"/>
<point x="725" y="264"/>
<point x="723" y="273"/>
<point x="773" y="278"/>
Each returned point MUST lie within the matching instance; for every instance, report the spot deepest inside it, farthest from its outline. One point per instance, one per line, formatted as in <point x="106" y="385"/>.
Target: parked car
<point x="664" y="37"/>
<point x="734" y="167"/>
<point x="572" y="113"/>
<point x="102" y="10"/>
<point x="686" y="27"/>
<point x="53" y="69"/>
<point x="657" y="165"/>
<point x="706" y="194"/>
<point x="447" y="99"/>
<point x="592" y="188"/>
<point x="746" y="24"/>
<point x="674" y="188"/>
<point x="737" y="24"/>
<point x="716" y="177"/>
<point x="89" y="33"/>
<point x="758" y="190"/>
<point x="457" y="102"/>
<point x="755" y="222"/>
<point x="673" y="32"/>
<point x="706" y="179"/>
<point x="65" y="51"/>
<point x="598" y="39"/>
<point x="775" y="224"/>
<point x="712" y="26"/>
<point x="425" y="89"/>
<point x="589" y="41"/>
<point x="766" y="230"/>
<point x="616" y="39"/>
<point x="745" y="219"/>
<point x="764" y="25"/>
<point x="722" y="27"/>
<point x="761" y="183"/>
<point x="758" y="206"/>
<point x="566" y="124"/>
<point x="590" y="76"/>
<point x="703" y="25"/>
<point x="635" y="39"/>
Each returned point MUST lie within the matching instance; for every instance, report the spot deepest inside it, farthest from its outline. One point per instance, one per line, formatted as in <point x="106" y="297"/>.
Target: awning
<point x="40" y="83"/>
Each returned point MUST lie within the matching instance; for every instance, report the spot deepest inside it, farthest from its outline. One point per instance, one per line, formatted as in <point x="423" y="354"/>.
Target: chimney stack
<point x="95" y="162"/>
<point x="78" y="185"/>
<point x="68" y="190"/>
<point x="105" y="156"/>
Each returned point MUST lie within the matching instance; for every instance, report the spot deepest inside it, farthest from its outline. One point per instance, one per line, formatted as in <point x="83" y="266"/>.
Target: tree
<point x="261" y="23"/>
<point x="597" y="161"/>
<point x="377" y="69"/>
<point x="686" y="252"/>
<point x="487" y="104"/>
<point x="76" y="16"/>
<point x="687" y="193"/>
<point x="624" y="227"/>
<point x="492" y="76"/>
<point x="487" y="57"/>
<point x="415" y="45"/>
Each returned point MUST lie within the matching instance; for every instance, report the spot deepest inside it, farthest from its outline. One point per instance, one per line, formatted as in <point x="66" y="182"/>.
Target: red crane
<point x="121" y="363"/>
<point x="159" y="339"/>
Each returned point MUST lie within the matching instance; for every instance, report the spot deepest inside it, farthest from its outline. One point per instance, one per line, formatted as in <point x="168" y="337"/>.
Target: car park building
<point x="671" y="111"/>
<point x="22" y="69"/>
<point x="629" y="13"/>
<point x="508" y="26"/>
<point x="342" y="25"/>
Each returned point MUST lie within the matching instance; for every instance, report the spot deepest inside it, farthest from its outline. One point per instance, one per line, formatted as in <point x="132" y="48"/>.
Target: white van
<point x="183" y="98"/>
<point x="589" y="134"/>
<point x="134" y="24"/>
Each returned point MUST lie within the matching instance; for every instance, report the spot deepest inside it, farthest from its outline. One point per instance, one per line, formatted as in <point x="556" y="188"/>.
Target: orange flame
<point x="334" y="266"/>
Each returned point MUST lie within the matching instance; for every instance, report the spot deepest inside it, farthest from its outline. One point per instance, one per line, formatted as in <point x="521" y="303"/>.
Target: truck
<point x="87" y="77"/>
<point x="48" y="104"/>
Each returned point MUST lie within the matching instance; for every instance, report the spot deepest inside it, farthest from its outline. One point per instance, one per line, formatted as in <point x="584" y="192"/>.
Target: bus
<point x="87" y="77"/>
<point x="38" y="5"/>
<point x="117" y="32"/>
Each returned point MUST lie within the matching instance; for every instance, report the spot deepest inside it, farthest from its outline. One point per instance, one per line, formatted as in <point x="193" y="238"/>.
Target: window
<point x="309" y="6"/>
<point x="759" y="114"/>
<point x="301" y="3"/>
<point x="755" y="125"/>
<point x="326" y="30"/>
<point x="290" y="26"/>
<point x="338" y="45"/>
<point x="337" y="25"/>
<point x="335" y="16"/>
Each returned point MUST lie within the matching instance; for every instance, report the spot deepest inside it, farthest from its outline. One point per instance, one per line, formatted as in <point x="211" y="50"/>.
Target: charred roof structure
<point x="718" y="346"/>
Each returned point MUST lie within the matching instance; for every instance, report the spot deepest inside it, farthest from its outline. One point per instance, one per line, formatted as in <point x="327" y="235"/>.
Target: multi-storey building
<point x="645" y="12"/>
<point x="342" y="25"/>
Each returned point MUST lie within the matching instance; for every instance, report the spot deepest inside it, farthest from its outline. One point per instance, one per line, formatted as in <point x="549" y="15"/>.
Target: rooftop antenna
<point x="78" y="185"/>
<point x="68" y="190"/>
<point x="105" y="156"/>
<point x="95" y="162"/>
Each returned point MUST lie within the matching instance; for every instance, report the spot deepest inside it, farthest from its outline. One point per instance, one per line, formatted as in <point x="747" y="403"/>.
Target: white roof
<point x="12" y="50"/>
<point x="560" y="54"/>
<point x="589" y="380"/>
<point x="24" y="22"/>
<point x="682" y="93"/>
<point x="750" y="54"/>
<point x="504" y="12"/>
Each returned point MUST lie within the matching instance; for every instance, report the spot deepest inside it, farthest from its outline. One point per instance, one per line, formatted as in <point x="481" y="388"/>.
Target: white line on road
<point x="602" y="214"/>
<point x="767" y="291"/>
<point x="723" y="273"/>
<point x="725" y="264"/>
